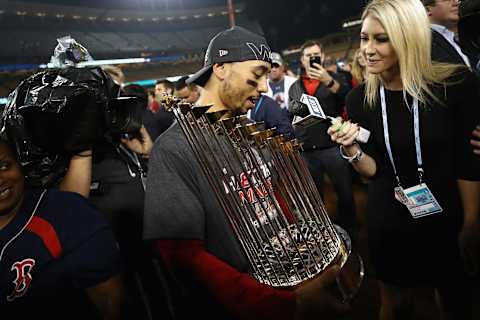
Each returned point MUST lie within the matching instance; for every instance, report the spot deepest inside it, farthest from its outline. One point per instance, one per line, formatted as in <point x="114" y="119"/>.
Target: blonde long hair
<point x="408" y="28"/>
<point x="358" y="71"/>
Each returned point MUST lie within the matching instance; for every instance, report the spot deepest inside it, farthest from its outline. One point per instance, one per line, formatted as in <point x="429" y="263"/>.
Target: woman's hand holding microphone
<point x="344" y="133"/>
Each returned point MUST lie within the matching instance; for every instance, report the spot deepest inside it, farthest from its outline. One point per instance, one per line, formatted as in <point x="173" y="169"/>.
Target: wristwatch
<point x="355" y="158"/>
<point x="331" y="83"/>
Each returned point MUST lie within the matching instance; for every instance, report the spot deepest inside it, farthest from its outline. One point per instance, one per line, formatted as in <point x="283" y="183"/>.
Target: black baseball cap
<point x="232" y="45"/>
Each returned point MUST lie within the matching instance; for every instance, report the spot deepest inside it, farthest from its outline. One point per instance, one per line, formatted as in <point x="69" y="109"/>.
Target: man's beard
<point x="230" y="98"/>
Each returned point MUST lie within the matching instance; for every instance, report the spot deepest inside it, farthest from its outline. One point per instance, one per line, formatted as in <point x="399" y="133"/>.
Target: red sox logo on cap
<point x="23" y="278"/>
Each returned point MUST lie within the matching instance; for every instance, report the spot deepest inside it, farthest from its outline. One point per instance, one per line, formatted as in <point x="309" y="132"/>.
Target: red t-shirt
<point x="311" y="85"/>
<point x="154" y="106"/>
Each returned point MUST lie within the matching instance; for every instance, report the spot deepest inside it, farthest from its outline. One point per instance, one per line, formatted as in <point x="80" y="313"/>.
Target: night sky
<point x="286" y="21"/>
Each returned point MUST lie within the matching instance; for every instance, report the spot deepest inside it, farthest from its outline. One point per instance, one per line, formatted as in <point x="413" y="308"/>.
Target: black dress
<point x="412" y="252"/>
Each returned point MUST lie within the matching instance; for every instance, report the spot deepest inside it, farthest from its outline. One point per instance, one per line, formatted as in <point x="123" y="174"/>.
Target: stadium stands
<point x="31" y="30"/>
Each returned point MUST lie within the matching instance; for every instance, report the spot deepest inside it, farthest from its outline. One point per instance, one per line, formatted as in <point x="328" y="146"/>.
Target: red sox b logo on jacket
<point x="22" y="279"/>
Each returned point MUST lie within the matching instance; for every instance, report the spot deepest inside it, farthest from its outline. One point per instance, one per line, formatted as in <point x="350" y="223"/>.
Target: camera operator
<point x="65" y="113"/>
<point x="52" y="116"/>
<point x="320" y="153"/>
<point x="111" y="175"/>
<point x="108" y="144"/>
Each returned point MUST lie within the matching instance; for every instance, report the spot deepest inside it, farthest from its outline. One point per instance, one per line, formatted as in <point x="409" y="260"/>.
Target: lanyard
<point x="259" y="102"/>
<point x="416" y="131"/>
<point x="134" y="157"/>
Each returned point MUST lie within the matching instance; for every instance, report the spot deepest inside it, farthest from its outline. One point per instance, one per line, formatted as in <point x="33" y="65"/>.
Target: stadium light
<point x="112" y="61"/>
<point x="352" y="23"/>
<point x="95" y="63"/>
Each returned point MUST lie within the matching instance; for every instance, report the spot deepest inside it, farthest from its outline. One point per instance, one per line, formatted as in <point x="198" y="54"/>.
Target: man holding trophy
<point x="191" y="211"/>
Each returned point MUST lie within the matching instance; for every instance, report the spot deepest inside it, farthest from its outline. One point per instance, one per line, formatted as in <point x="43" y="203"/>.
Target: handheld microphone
<point x="310" y="106"/>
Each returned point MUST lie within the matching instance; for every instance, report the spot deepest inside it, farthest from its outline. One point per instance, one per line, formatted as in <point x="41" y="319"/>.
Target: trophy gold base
<point x="352" y="270"/>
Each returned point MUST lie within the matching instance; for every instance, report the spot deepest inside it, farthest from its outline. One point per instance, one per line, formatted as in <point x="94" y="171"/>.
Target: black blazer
<point x="443" y="51"/>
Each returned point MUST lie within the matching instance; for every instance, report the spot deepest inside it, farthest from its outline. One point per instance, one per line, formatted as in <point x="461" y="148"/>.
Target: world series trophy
<point x="269" y="198"/>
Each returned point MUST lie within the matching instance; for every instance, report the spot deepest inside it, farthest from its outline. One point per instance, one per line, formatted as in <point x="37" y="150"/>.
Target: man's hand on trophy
<point x="320" y="297"/>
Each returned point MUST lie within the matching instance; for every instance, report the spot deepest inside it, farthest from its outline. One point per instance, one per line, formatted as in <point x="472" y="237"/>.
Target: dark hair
<point x="181" y="83"/>
<point x="167" y="83"/>
<point x="308" y="44"/>
<point x="428" y="2"/>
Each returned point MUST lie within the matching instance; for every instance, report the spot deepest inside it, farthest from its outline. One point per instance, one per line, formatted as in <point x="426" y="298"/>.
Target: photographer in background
<point x="116" y="170"/>
<point x="320" y="152"/>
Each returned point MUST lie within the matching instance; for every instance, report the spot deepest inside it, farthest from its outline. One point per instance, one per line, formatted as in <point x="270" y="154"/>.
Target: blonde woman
<point x="358" y="68"/>
<point x="423" y="196"/>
